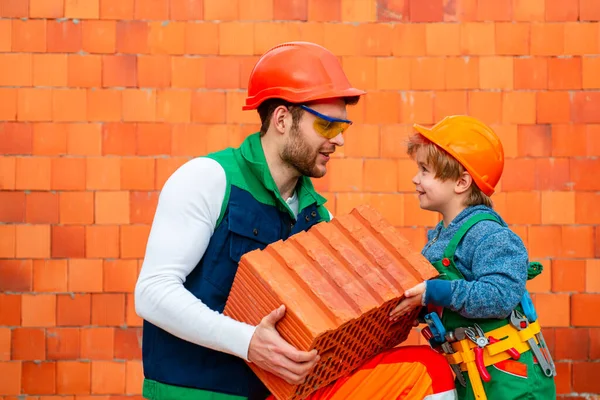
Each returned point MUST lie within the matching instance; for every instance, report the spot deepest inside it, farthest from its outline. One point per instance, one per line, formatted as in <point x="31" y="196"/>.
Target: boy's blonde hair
<point x="446" y="167"/>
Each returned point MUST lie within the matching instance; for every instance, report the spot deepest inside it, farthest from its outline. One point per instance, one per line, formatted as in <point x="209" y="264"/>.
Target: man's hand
<point x="413" y="299"/>
<point x="271" y="352"/>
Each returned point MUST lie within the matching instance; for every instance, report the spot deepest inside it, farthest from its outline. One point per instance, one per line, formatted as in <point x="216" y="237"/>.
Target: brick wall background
<point x="100" y="100"/>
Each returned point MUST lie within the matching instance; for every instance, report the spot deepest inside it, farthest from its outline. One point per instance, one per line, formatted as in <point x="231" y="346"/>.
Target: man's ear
<point x="463" y="183"/>
<point x="279" y="120"/>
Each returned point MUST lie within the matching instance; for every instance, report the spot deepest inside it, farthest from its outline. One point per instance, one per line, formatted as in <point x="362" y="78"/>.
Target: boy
<point x="483" y="265"/>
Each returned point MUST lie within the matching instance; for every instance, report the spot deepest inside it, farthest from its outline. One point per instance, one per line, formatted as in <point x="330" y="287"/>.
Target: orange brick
<point x="84" y="139"/>
<point x="501" y="10"/>
<point x="195" y="31"/>
<point x="391" y="73"/>
<point x="104" y="105"/>
<point x="428" y="73"/>
<point x="329" y="11"/>
<point x="51" y="9"/>
<point x="496" y="73"/>
<point x="234" y="101"/>
<point x="10" y="370"/>
<point x="28" y="344"/>
<point x="531" y="73"/>
<point x="151" y="10"/>
<point x="188" y="72"/>
<point x="85" y="71"/>
<point x="64" y="36"/>
<point x="564" y="73"/>
<point x="68" y="173"/>
<point x="133" y="240"/>
<point x="585" y="107"/>
<point x="584" y="374"/>
<point x="462" y="73"/>
<point x="167" y="37"/>
<point x="552" y="174"/>
<point x="553" y="107"/>
<point x="577" y="241"/>
<point x="361" y="141"/>
<point x="49" y="139"/>
<point x="38" y="310"/>
<point x="583" y="173"/>
<point x="553" y="309"/>
<point x="63" y="343"/>
<point x="380" y="175"/>
<point x="7" y="172"/>
<point x="108" y="377"/>
<point x="119" y="70"/>
<point x="512" y="38"/>
<point x="408" y="40"/>
<point x="16" y="69"/>
<point x="586" y="210"/>
<point x="9" y="240"/>
<point x="117" y="9"/>
<point x="558" y="208"/>
<point x="523" y="208"/>
<point x="589" y="10"/>
<point x="34" y="104"/>
<point x="73" y="309"/>
<point x="559" y="11"/>
<point x="533" y="10"/>
<point x="16" y="277"/>
<point x="13" y="9"/>
<point x="357" y="305"/>
<point x="33" y="241"/>
<point x="592" y="277"/>
<point x="568" y="275"/>
<point x="142" y="207"/>
<point x="547" y="39"/>
<point x="108" y="309"/>
<point x="28" y="36"/>
<point x="132" y="37"/>
<point x="165" y="168"/>
<point x="8" y="104"/>
<point x="154" y="71"/>
<point x="416" y="107"/>
<point x="50" y="275"/>
<point x="11" y="306"/>
<point x="590" y="79"/>
<point x="486" y="106"/>
<point x="97" y="343"/>
<point x="73" y="377"/>
<point x="137" y="173"/>
<point x="544" y="241"/>
<point x="237" y="38"/>
<point x="13" y="207"/>
<point x="477" y="38"/>
<point x="41" y="208"/>
<point x="449" y="103"/>
<point x="89" y="9"/>
<point x="581" y="306"/>
<point x="188" y="140"/>
<point x="426" y="11"/>
<point x="39" y="378"/>
<point x="134" y="377"/>
<point x="84" y="276"/>
<point x="103" y="173"/>
<point x="33" y="173"/>
<point x="186" y="10"/>
<point x="139" y="105"/>
<point x="153" y="139"/>
<point x="111" y="208"/>
<point x="222" y="73"/>
<point x="174" y="106"/>
<point x="120" y="276"/>
<point x="102" y="241"/>
<point x="534" y="140"/>
<point x="443" y="39"/>
<point x="49" y="69"/>
<point x="99" y="36"/>
<point x="68" y="241"/>
<point x="575" y="45"/>
<point x="69" y="105"/>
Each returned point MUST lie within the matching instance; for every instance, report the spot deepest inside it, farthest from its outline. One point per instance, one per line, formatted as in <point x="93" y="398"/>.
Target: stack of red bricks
<point x="339" y="281"/>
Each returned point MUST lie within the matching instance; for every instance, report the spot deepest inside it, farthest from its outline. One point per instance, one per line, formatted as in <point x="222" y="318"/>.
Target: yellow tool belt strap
<point x="508" y="337"/>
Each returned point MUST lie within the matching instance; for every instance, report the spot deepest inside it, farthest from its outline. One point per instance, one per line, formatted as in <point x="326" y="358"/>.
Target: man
<point x="216" y="208"/>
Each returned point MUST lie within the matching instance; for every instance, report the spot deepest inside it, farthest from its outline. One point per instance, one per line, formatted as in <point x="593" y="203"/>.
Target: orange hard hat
<point x="297" y="72"/>
<point x="473" y="144"/>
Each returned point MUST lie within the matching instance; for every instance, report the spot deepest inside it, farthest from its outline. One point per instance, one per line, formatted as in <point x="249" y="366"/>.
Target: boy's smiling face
<point x="434" y="194"/>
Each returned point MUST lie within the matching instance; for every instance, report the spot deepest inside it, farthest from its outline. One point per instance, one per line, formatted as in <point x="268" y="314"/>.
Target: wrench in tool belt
<point x="520" y="322"/>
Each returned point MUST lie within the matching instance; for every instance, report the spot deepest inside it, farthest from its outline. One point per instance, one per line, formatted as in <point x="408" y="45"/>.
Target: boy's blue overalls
<point x="489" y="372"/>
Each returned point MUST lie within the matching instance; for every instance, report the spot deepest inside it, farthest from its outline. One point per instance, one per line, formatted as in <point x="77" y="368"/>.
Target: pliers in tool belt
<point x="477" y="336"/>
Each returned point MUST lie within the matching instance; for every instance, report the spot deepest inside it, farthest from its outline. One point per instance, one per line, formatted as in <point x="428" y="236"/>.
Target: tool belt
<point x="509" y="337"/>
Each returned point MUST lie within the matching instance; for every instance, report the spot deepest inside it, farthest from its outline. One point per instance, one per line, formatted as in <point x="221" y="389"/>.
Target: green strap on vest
<point x="462" y="231"/>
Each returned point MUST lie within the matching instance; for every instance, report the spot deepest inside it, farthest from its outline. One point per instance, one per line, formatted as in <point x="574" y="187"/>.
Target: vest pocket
<point x="250" y="230"/>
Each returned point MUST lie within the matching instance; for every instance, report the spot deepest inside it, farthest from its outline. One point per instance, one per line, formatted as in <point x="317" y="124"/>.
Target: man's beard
<point x="298" y="154"/>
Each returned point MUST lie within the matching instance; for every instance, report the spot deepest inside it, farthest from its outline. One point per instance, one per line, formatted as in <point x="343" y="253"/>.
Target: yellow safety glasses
<point x="327" y="126"/>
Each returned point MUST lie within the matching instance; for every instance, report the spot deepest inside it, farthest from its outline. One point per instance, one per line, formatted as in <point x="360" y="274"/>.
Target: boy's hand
<point x="413" y="299"/>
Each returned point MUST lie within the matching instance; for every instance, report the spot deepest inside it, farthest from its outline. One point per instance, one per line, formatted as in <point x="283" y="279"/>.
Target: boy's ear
<point x="463" y="183"/>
